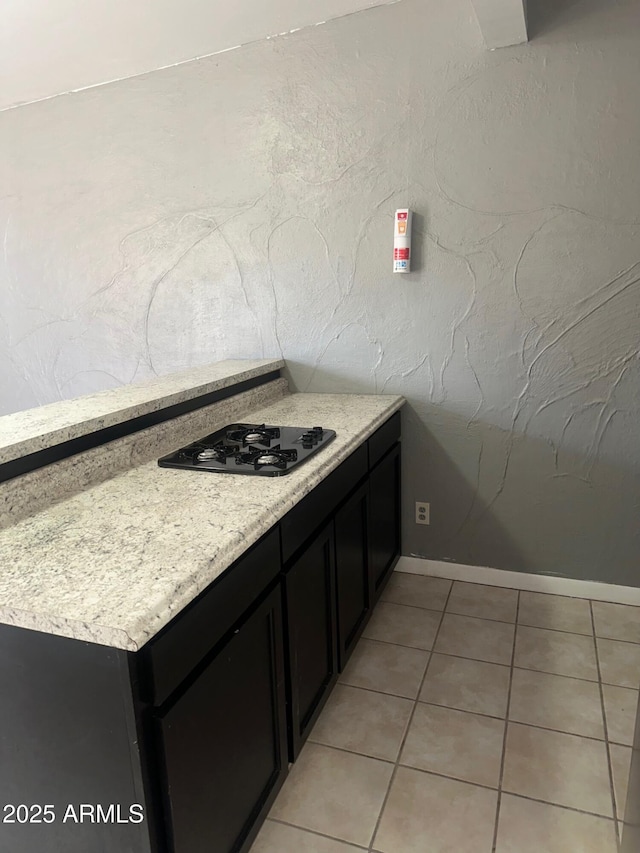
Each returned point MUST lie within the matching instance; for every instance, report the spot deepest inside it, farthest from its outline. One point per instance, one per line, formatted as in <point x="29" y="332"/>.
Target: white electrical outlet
<point x="422" y="512"/>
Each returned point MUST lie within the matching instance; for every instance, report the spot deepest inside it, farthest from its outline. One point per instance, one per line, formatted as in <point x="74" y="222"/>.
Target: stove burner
<point x="255" y="449"/>
<point x="268" y="459"/>
<point x="215" y="452"/>
<point x="251" y="434"/>
<point x="274" y="456"/>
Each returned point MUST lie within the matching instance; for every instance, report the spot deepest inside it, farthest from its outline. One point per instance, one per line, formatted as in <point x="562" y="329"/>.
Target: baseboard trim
<point x="520" y="580"/>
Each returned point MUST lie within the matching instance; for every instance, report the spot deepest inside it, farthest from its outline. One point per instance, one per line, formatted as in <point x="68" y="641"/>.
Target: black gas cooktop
<point x="258" y="449"/>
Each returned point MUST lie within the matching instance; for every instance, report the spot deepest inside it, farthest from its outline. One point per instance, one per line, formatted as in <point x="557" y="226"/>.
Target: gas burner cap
<point x="274" y="456"/>
<point x="215" y="452"/>
<point x="246" y="434"/>
<point x="207" y="454"/>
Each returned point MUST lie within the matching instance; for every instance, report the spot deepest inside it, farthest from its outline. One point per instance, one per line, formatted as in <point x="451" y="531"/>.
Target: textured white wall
<point x="242" y="206"/>
<point x="53" y="46"/>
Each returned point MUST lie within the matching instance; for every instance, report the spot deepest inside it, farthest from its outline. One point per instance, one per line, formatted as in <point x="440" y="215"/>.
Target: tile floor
<point x="470" y="719"/>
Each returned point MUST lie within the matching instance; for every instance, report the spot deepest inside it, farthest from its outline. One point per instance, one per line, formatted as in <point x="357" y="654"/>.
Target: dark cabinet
<point x="384" y="513"/>
<point x="198" y="726"/>
<point x="352" y="571"/>
<point x="224" y="739"/>
<point x="311" y="634"/>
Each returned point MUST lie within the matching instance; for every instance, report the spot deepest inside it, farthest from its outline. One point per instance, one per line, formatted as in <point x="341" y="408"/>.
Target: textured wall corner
<point x="242" y="206"/>
<point x="503" y="22"/>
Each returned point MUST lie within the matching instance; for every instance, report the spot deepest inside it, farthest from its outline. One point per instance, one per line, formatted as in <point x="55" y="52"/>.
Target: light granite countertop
<point x="26" y="432"/>
<point x="114" y="563"/>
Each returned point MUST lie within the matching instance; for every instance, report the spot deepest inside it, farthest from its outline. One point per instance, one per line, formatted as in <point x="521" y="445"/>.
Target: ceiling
<point x="48" y="47"/>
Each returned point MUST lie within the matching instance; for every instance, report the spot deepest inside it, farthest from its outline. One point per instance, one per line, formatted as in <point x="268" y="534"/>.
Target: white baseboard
<point x="520" y="580"/>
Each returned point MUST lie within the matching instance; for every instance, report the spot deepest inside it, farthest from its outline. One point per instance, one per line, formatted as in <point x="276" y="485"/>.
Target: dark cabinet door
<point x="384" y="515"/>
<point x="312" y="641"/>
<point x="224" y="739"/>
<point x="352" y="571"/>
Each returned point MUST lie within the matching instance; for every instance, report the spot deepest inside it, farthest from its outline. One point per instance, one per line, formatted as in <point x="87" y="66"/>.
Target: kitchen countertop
<point x="116" y="562"/>
<point x="55" y="423"/>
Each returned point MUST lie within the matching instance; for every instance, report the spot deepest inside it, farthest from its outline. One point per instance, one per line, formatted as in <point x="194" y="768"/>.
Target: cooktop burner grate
<point x="273" y="456"/>
<point x="249" y="449"/>
<point x="253" y="434"/>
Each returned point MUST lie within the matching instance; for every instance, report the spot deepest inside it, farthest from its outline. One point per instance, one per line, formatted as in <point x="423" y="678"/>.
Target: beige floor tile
<point x="617" y="621"/>
<point x="429" y="814"/>
<point x="470" y="685"/>
<point x="334" y="792"/>
<point x="479" y="639"/>
<point x="417" y="591"/>
<point x="619" y="663"/>
<point x="620" y="765"/>
<point x="620" y="707"/>
<point x="407" y="626"/>
<point x="528" y="827"/>
<point x="564" y="769"/>
<point x="455" y="743"/>
<point x="556" y="702"/>
<point x="363" y="721"/>
<point x="281" y="838"/>
<point x="387" y="668"/>
<point x="541" y="610"/>
<point x="486" y="602"/>
<point x="555" y="651"/>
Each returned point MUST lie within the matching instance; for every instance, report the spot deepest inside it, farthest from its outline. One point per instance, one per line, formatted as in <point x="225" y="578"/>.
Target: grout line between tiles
<point x="404" y="604"/>
<point x="406" y="731"/>
<point x="493" y="663"/>
<point x="559" y="806"/>
<point x="315" y="832"/>
<point x="484" y="660"/>
<point x="351" y="751"/>
<point x="616" y="640"/>
<point x="391" y="643"/>
<point x="373" y="690"/>
<point x="510" y="793"/>
<point x="606" y="735"/>
<point x="467" y="711"/>
<point x="461" y="710"/>
<point x="504" y="737"/>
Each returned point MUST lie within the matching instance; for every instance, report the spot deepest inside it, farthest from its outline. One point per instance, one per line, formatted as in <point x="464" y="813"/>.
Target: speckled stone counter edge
<point x="131" y="631"/>
<point x="36" y="490"/>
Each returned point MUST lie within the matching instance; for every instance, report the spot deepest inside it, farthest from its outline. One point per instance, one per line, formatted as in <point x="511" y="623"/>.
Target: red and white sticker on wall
<point x="402" y="241"/>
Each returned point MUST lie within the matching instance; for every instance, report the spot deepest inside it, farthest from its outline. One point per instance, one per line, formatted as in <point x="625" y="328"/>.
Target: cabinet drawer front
<point x="171" y="656"/>
<point x="383" y="439"/>
<point x="305" y="518"/>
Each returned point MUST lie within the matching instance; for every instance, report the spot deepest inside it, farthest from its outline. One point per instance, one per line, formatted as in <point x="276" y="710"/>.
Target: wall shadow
<point x="544" y="17"/>
<point x="507" y="501"/>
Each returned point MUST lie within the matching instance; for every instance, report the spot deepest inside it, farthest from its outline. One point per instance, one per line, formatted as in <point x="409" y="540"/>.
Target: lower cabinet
<point x="352" y="571"/>
<point x="311" y="634"/>
<point x="384" y="535"/>
<point x="237" y="681"/>
<point x="224" y="739"/>
<point x="198" y="726"/>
